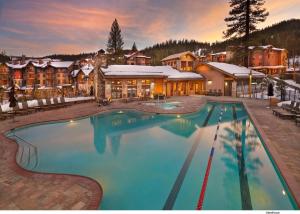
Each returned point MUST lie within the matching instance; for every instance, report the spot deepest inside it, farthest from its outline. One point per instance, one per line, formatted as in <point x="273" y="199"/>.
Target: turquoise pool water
<point x="165" y="105"/>
<point x="213" y="159"/>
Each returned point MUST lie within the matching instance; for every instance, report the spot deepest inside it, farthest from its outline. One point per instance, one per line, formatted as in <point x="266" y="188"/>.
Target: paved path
<point x="20" y="189"/>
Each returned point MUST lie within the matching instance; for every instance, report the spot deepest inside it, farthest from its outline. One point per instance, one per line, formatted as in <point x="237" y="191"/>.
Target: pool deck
<point x="21" y="189"/>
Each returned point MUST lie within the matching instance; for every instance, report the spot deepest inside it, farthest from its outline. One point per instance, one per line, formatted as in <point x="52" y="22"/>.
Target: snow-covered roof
<point x="62" y="64"/>
<point x="75" y="72"/>
<point x="235" y="70"/>
<point x="18" y="66"/>
<point x="55" y="63"/>
<point x="140" y="70"/>
<point x="38" y="65"/>
<point x="220" y="53"/>
<point x="87" y="69"/>
<point x="143" y="56"/>
<point x="139" y="55"/>
<point x="178" y="55"/>
<point x="266" y="47"/>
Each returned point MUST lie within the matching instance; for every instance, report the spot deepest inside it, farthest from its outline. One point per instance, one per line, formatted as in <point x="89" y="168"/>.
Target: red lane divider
<point x="204" y="184"/>
<point x="207" y="171"/>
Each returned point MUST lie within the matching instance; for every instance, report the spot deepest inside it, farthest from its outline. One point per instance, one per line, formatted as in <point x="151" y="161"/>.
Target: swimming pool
<point x="165" y="105"/>
<point x="210" y="159"/>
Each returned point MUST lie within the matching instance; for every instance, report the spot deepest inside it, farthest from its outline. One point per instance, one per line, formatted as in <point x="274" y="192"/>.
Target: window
<point x="190" y="64"/>
<point x="183" y="64"/>
<point x="131" y="88"/>
<point x="116" y="89"/>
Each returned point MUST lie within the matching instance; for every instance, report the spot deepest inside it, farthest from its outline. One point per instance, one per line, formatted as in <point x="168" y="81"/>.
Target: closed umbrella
<point x="12" y="99"/>
<point x="270" y="92"/>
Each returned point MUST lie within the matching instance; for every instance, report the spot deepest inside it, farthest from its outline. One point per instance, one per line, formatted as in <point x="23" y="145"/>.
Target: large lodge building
<point x="180" y="74"/>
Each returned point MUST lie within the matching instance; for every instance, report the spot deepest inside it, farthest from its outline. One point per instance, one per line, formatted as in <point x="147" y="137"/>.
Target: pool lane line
<point x="179" y="180"/>
<point x="244" y="185"/>
<point x="208" y="167"/>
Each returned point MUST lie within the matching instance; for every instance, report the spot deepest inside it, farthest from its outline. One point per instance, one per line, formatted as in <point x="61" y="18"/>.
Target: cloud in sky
<point x="36" y="27"/>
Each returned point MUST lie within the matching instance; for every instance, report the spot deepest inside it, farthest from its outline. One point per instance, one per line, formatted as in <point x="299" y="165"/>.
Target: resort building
<point x="36" y="74"/>
<point x="4" y="76"/>
<point x="217" y="57"/>
<point x="228" y="79"/>
<point x="83" y="79"/>
<point x="268" y="59"/>
<point x="122" y="81"/>
<point x="137" y="58"/>
<point x="184" y="61"/>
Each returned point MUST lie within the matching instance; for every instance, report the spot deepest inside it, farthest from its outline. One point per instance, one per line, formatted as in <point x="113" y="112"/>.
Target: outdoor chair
<point x="288" y="106"/>
<point x="50" y="105"/>
<point x="58" y="103"/>
<point x="40" y="105"/>
<point x="105" y="102"/>
<point x="210" y="92"/>
<point x="25" y="107"/>
<point x="219" y="92"/>
<point x="283" y="114"/>
<point x="63" y="101"/>
<point x="296" y="110"/>
<point x="20" y="111"/>
<point x="5" y="115"/>
<point x="297" y="121"/>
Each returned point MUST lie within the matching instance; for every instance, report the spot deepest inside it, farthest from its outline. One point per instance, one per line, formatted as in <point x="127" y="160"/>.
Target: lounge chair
<point x="58" y="102"/>
<point x="283" y="114"/>
<point x="63" y="100"/>
<point x="288" y="106"/>
<point x="40" y="105"/>
<point x="5" y="115"/>
<point x="25" y="107"/>
<point x="296" y="109"/>
<point x="20" y="111"/>
<point x="49" y="105"/>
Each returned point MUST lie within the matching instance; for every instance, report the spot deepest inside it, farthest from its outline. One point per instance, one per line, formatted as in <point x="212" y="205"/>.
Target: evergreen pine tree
<point x="134" y="48"/>
<point x="243" y="18"/>
<point x="115" y="41"/>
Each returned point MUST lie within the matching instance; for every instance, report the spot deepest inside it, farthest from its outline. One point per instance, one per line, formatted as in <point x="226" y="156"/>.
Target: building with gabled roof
<point x="228" y="79"/>
<point x="122" y="81"/>
<point x="137" y="58"/>
<point x="184" y="61"/>
<point x="83" y="79"/>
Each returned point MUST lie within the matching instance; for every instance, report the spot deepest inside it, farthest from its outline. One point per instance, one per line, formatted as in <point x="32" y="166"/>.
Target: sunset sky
<point x="40" y="27"/>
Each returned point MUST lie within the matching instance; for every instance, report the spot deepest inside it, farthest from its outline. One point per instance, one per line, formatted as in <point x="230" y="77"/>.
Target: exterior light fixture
<point x="209" y="82"/>
<point x="178" y="116"/>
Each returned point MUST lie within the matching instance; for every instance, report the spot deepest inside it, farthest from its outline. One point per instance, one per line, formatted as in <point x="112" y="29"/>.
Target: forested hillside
<point x="285" y="34"/>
